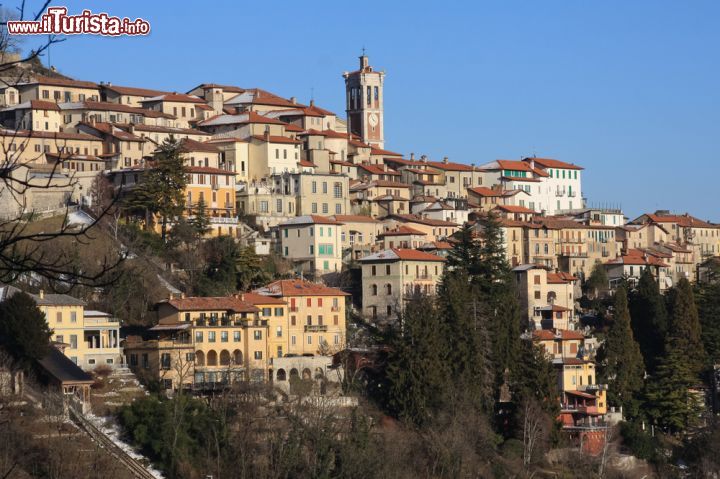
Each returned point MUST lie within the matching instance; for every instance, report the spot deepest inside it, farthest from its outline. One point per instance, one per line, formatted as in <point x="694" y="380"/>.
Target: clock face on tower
<point x="373" y="119"/>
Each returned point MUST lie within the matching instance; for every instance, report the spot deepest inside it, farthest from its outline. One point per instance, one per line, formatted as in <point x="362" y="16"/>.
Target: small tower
<point x="364" y="103"/>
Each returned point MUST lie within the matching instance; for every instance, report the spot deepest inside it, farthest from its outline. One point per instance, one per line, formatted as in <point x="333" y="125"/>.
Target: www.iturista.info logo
<point x="56" y="21"/>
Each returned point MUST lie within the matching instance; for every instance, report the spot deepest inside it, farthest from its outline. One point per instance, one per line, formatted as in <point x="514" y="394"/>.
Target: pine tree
<point x="708" y="303"/>
<point x="670" y="403"/>
<point x="466" y="320"/>
<point x="418" y="375"/>
<point x="162" y="191"/>
<point x="620" y="361"/>
<point x="249" y="271"/>
<point x="598" y="280"/>
<point x="24" y="331"/>
<point x="649" y="318"/>
<point x="497" y="289"/>
<point x="534" y="378"/>
<point x="465" y="253"/>
<point x="685" y="328"/>
<point x="200" y="220"/>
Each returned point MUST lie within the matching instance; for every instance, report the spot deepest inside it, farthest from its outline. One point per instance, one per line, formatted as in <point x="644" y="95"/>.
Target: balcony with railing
<point x="315" y="328"/>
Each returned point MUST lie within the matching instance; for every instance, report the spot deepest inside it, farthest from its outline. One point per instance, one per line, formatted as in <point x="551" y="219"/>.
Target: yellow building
<point x="547" y="298"/>
<point x="316" y="316"/>
<point x="88" y="338"/>
<point x="583" y="402"/>
<point x="203" y="343"/>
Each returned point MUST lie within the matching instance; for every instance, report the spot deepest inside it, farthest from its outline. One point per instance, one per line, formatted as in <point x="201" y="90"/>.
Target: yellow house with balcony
<point x="316" y="316"/>
<point x="202" y="343"/>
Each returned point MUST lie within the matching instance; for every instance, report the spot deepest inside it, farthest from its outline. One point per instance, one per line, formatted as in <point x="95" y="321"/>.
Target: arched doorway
<point x="224" y="358"/>
<point x="281" y="375"/>
<point x="306" y="374"/>
<point x="199" y="358"/>
<point x="294" y="374"/>
<point x="212" y="358"/>
<point x="237" y="357"/>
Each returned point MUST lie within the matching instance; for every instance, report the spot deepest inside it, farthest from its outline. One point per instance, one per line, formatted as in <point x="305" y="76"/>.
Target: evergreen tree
<point x="649" y="318"/>
<point x="620" y="361"/>
<point x="24" y="332"/>
<point x="249" y="269"/>
<point x="162" y="191"/>
<point x="534" y="378"/>
<point x="201" y="220"/>
<point x="466" y="320"/>
<point x="598" y="280"/>
<point x="219" y="277"/>
<point x="465" y="253"/>
<point x="497" y="289"/>
<point x="418" y="375"/>
<point x="670" y="403"/>
<point x="685" y="328"/>
<point x="708" y="304"/>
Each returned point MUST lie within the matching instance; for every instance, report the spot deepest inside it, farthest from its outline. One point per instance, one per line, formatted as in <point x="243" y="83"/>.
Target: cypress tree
<point x="684" y="326"/>
<point x="201" y="221"/>
<point x="418" y="375"/>
<point x="620" y="360"/>
<point x="670" y="403"/>
<point x="708" y="304"/>
<point x="535" y="378"/>
<point x="163" y="188"/>
<point x="649" y="318"/>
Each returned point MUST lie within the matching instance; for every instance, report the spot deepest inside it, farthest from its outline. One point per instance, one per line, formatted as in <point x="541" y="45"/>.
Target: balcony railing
<point x="335" y="309"/>
<point x="294" y="309"/>
<point x="315" y="328"/>
<point x="221" y="220"/>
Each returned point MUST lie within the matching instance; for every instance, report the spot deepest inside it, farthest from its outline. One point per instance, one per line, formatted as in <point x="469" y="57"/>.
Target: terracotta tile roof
<point x="164" y="129"/>
<point x="277" y="139"/>
<point x="174" y="97"/>
<point x="217" y="303"/>
<point x="381" y="152"/>
<point x="550" y="163"/>
<point x="298" y="287"/>
<point x="112" y="130"/>
<point x="450" y="166"/>
<point x="354" y="219"/>
<point x="244" y="118"/>
<point x="43" y="105"/>
<point x="307" y="164"/>
<point x="257" y="96"/>
<point x="637" y="257"/>
<point x="686" y="220"/>
<point x="441" y="245"/>
<point x="516" y="178"/>
<point x="552" y="334"/>
<point x="108" y="106"/>
<point x="46" y="134"/>
<point x="294" y="128"/>
<point x="53" y="81"/>
<point x="132" y="91"/>
<point x="402" y="230"/>
<point x="515" y="209"/>
<point x="378" y="170"/>
<point x="424" y="221"/>
<point x="188" y="145"/>
<point x="514" y="165"/>
<point x="227" y="88"/>
<point x="560" y="277"/>
<point x="259" y="299"/>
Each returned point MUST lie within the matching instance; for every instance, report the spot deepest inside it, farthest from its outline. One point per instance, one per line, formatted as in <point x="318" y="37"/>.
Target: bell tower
<point x="364" y="103"/>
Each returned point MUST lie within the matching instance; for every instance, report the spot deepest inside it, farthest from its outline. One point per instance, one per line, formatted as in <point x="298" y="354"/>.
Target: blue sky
<point x="627" y="89"/>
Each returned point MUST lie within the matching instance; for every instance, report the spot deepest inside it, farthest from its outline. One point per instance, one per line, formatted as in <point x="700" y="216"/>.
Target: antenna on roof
<point x="363" y="50"/>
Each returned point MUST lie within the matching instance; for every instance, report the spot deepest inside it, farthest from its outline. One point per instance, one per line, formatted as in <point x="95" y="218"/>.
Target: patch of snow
<point x="108" y="427"/>
<point x="79" y="218"/>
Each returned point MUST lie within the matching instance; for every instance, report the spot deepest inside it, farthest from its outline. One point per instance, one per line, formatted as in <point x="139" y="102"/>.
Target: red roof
<point x="186" y="144"/>
<point x="402" y="230"/>
<point x="298" y="287"/>
<point x="354" y="219"/>
<point x="42" y="80"/>
<point x="132" y="91"/>
<point x="174" y="97"/>
<point x="380" y="151"/>
<point x="515" y="209"/>
<point x="256" y="299"/>
<point x="208" y="170"/>
<point x="415" y="255"/>
<point x="43" y="105"/>
<point x="560" y="277"/>
<point x="550" y="163"/>
<point x="218" y="303"/>
<point x="378" y="170"/>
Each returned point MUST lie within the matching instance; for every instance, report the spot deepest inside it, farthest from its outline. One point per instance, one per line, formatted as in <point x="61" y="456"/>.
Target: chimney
<point x="293" y="100"/>
<point x="412" y="156"/>
<point x="182" y="295"/>
<point x="41" y="294"/>
<point x="131" y="128"/>
<point x="267" y="134"/>
<point x="242" y="297"/>
<point x="532" y="163"/>
<point x="312" y="102"/>
<point x="445" y="159"/>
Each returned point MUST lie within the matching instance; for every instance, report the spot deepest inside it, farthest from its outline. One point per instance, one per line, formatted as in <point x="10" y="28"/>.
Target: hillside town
<point x="346" y="240"/>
